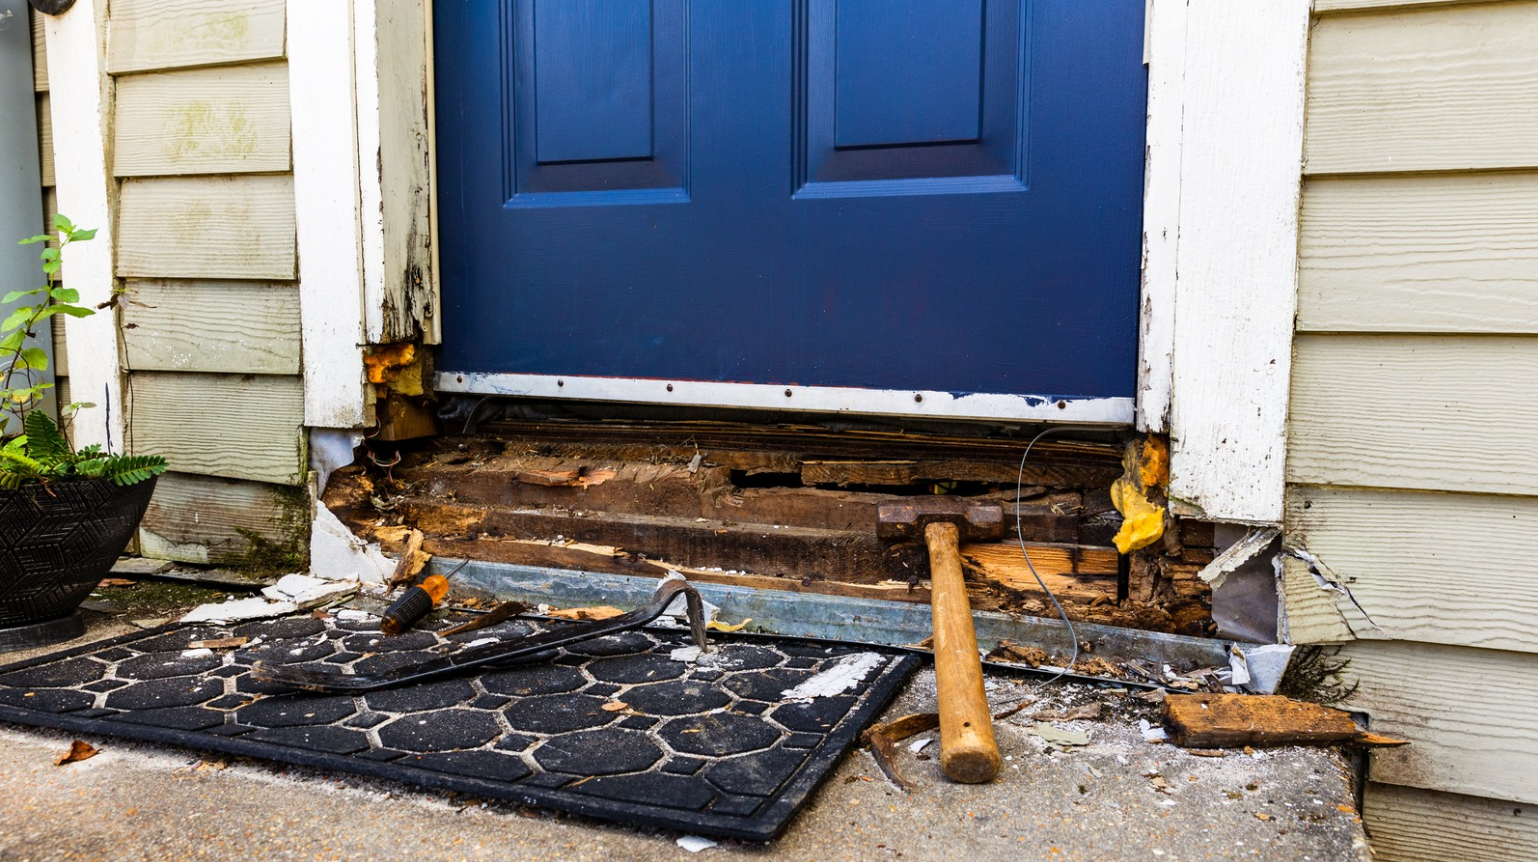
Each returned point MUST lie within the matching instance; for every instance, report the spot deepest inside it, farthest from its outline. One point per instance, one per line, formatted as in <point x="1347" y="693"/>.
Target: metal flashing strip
<point x="841" y="618"/>
<point x="829" y="399"/>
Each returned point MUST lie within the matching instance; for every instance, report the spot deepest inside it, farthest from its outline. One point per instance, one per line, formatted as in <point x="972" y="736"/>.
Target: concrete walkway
<point x="1116" y="798"/>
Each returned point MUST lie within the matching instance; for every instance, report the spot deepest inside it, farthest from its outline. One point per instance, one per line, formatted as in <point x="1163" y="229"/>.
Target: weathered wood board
<point x="224" y="326"/>
<point x="206" y="520"/>
<point x="45" y="138"/>
<point x="1413" y="825"/>
<point x="1467" y="713"/>
<point x="1420" y="253"/>
<point x="1422" y="412"/>
<point x="39" y="52"/>
<point x="1446" y="88"/>
<point x="221" y="120"/>
<point x="165" y="34"/>
<point x="236" y="426"/>
<point x="220" y="227"/>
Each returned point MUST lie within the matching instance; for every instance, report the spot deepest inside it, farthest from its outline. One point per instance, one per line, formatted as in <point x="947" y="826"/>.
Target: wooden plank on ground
<point x="45" y="138"/>
<point x="236" y="426"/>
<point x="1458" y="569"/>
<point x="39" y="52"/>
<point x="224" y="326"/>
<point x="220" y="227"/>
<point x="1448" y="88"/>
<point x="1420" y="412"/>
<point x="201" y="519"/>
<point x="1420" y="253"/>
<point x="222" y="120"/>
<point x="1467" y="713"/>
<point x="165" y="34"/>
<point x="1412" y="825"/>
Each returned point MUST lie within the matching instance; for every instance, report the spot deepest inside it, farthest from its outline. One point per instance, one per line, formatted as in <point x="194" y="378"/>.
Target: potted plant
<point x="65" y="513"/>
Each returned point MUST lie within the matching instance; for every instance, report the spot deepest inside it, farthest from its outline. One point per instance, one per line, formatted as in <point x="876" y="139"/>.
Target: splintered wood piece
<point x="1236" y="720"/>
<point x="411" y="560"/>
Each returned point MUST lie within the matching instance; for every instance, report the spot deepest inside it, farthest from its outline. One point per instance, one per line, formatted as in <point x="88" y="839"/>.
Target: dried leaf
<point x="78" y="751"/>
<point x="718" y="626"/>
<point x="117" y="582"/>
<point x="615" y="706"/>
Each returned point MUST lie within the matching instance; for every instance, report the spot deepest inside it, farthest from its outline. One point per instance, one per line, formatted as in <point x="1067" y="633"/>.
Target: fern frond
<point x="44" y="440"/>
<point x="126" y="470"/>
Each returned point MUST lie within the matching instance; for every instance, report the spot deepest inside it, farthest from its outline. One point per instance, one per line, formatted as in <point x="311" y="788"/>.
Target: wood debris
<point x="411" y="562"/>
<point x="597" y="612"/>
<point x="1233" y="720"/>
<point x="503" y="611"/>
<point x="1009" y="651"/>
<point x="78" y="750"/>
<point x="219" y="643"/>
<point x="117" y="582"/>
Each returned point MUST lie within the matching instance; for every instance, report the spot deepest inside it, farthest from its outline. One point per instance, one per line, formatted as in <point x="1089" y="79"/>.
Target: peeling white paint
<point x="337" y="554"/>
<point x="847" y="674"/>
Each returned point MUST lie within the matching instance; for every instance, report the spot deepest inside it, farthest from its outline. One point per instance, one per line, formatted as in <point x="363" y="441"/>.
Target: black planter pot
<point x="57" y="543"/>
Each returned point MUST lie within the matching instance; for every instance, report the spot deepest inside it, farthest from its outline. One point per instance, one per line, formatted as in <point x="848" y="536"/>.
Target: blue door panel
<point x="795" y="221"/>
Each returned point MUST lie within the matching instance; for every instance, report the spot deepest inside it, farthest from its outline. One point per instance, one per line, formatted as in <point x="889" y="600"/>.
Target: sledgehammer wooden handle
<point x="968" y="752"/>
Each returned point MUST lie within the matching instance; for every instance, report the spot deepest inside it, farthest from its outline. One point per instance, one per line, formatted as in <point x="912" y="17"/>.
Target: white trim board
<point x="81" y="103"/>
<point x="327" y="206"/>
<point x="1240" y="156"/>
<point x="820" y="399"/>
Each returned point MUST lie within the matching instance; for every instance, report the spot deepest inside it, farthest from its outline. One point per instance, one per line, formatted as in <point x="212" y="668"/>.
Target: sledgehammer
<point x="968" y="752"/>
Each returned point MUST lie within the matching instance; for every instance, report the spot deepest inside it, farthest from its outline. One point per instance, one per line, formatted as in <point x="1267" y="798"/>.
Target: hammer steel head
<point x="905" y="519"/>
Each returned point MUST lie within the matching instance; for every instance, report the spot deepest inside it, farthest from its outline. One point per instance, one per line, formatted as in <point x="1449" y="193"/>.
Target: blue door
<point x="925" y="196"/>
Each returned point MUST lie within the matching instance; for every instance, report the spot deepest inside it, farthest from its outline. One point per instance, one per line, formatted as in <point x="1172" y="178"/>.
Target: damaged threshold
<point x="843" y="618"/>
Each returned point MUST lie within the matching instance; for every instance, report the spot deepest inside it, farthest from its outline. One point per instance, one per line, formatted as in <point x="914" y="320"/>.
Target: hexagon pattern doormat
<point x="712" y="747"/>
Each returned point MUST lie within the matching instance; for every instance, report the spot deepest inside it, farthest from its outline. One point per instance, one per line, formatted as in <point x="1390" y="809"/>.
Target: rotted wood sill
<point x="787" y="508"/>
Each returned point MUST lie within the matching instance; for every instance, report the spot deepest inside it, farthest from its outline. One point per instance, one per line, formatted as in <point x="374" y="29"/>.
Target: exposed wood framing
<point x="1466" y="712"/>
<point x="1451" y="88"/>
<point x="165" y="34"/>
<point x="223" y="227"/>
<point x="326" y="194"/>
<point x="45" y="138"/>
<point x="237" y="426"/>
<point x="1420" y="253"/>
<point x="1242" y="127"/>
<point x="39" y="52"/>
<point x="221" y="120"/>
<point x="238" y="327"/>
<point x="80" y="101"/>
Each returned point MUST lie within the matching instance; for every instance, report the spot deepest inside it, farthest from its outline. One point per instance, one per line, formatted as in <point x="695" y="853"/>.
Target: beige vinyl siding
<point x="223" y="120"/>
<point x="223" y="522"/>
<point x="242" y="327"/>
<point x="1459" y="569"/>
<point x="206" y="247"/>
<point x="1412" y="468"/>
<point x="1409" y="824"/>
<point x="1439" y="253"/>
<point x="1447" y="88"/>
<point x="169" y="34"/>
<point x="219" y="227"/>
<point x="239" y="426"/>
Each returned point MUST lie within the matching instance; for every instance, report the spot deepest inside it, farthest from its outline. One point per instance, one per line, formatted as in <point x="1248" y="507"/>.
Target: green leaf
<point x="42" y="237"/>
<point x="51" y="267"/>
<point x="50" y="254"/>
<point x="71" y="310"/>
<point x="12" y="342"/>
<point x="65" y="294"/>
<point x="17" y="318"/>
<point x="60" y="222"/>
<point x="34" y="358"/>
<point x="18" y="294"/>
<point x="83" y="234"/>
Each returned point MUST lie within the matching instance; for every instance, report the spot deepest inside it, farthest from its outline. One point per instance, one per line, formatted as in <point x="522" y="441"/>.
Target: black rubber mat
<point x="711" y="748"/>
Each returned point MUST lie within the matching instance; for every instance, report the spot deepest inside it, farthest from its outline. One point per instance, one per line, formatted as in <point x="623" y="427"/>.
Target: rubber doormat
<point x="713" y="748"/>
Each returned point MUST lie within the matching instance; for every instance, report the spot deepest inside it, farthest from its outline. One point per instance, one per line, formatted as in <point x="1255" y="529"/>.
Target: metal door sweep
<point x="306" y="679"/>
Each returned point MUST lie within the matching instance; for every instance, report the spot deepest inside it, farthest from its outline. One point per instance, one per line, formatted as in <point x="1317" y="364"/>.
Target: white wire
<point x="1073" y="636"/>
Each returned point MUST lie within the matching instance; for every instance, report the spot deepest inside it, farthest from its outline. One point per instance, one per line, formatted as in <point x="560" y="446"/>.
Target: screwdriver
<point x="415" y="603"/>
